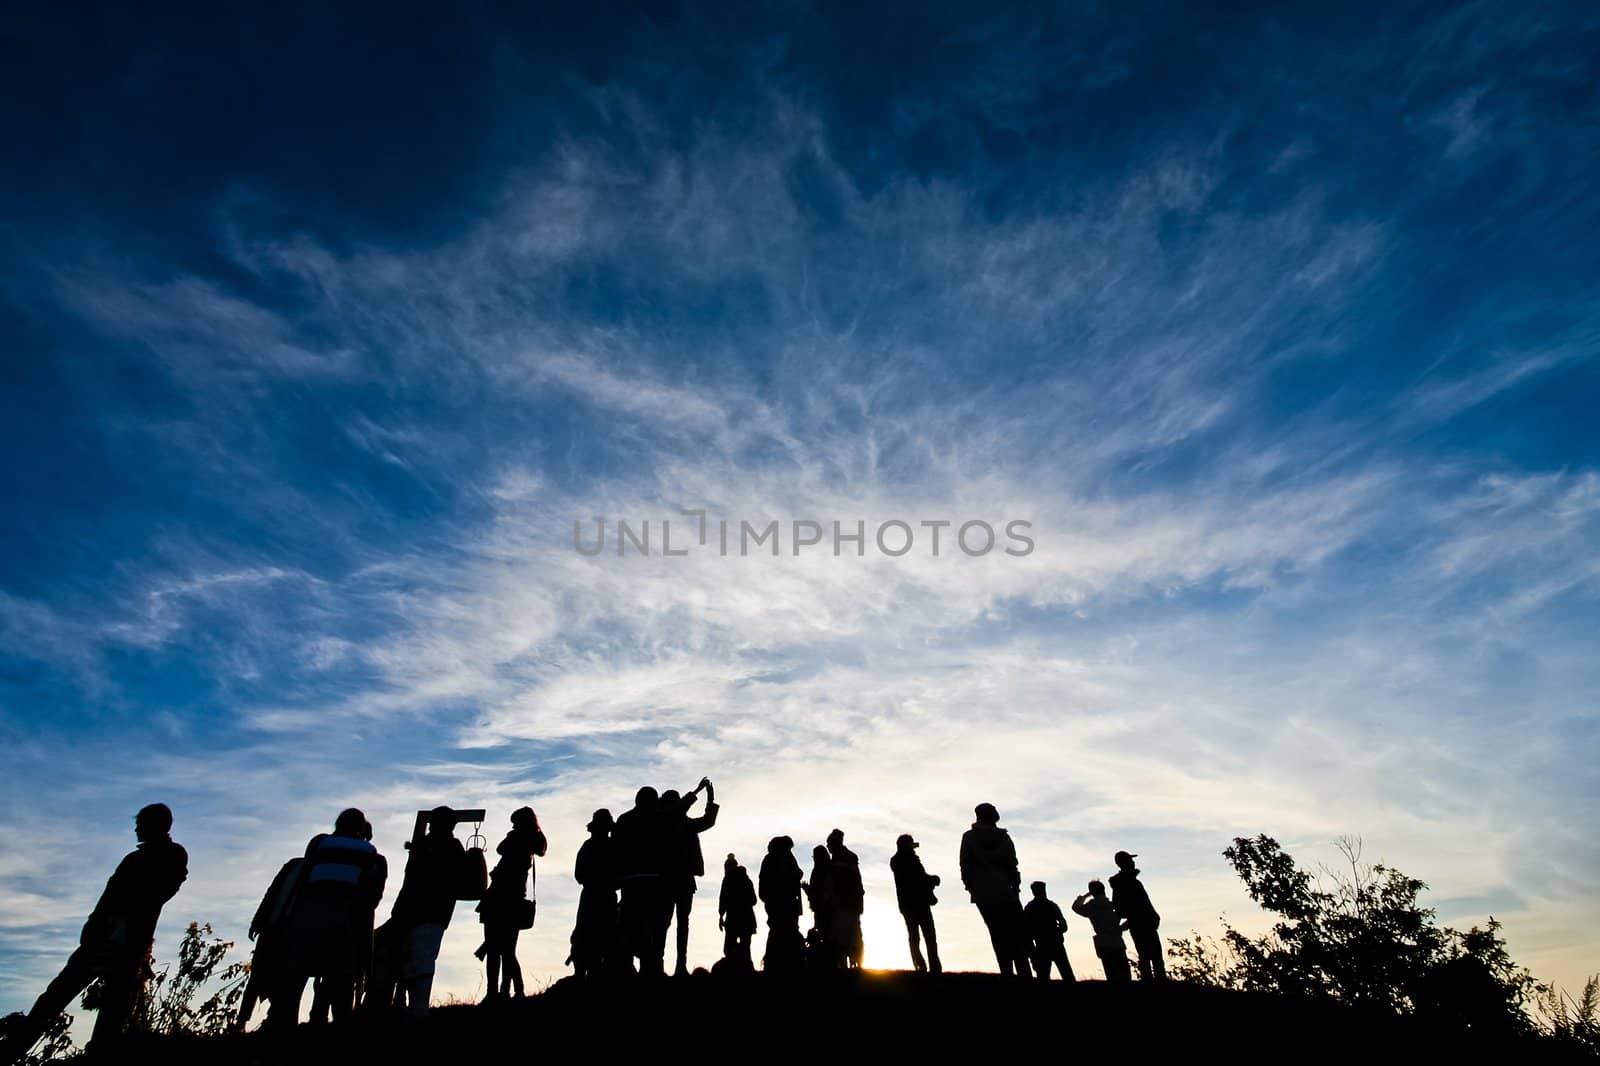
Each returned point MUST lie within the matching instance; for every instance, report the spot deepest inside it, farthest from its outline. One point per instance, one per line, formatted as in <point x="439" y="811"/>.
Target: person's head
<point x="836" y="839"/>
<point x="524" y="818"/>
<point x="671" y="800"/>
<point x="152" y="822"/>
<point x="905" y="842"/>
<point x="350" y="823"/>
<point x="1097" y="888"/>
<point x="1037" y="888"/>
<point x="1124" y="860"/>
<point x="646" y="799"/>
<point x="730" y="864"/>
<point x="600" y="823"/>
<point x="441" y="821"/>
<point x="366" y="830"/>
<point x="986" y="814"/>
<point x="820" y="853"/>
<point x="779" y="845"/>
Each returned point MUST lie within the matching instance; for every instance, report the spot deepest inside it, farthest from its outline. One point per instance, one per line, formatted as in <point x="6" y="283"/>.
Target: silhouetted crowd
<point x="638" y="873"/>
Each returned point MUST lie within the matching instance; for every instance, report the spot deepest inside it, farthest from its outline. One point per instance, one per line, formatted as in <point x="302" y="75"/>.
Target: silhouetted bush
<point x="1360" y="936"/>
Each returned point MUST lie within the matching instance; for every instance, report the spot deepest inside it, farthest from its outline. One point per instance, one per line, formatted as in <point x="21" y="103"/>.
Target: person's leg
<point x="247" y="1002"/>
<point x="120" y="987"/>
<point x="913" y="936"/>
<point x="513" y="969"/>
<point x="1147" y="942"/>
<point x="994" y="920"/>
<point x="1063" y="964"/>
<point x="491" y="959"/>
<point x="1041" y="964"/>
<point x="684" y="903"/>
<point x="339" y="996"/>
<point x="932" y="938"/>
<point x="283" y="1002"/>
<point x="57" y="996"/>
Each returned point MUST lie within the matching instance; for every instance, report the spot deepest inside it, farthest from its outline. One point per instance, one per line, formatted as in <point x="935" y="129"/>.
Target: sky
<point x="320" y="328"/>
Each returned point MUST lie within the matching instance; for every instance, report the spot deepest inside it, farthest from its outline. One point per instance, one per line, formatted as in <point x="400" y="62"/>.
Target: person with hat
<point x="507" y="907"/>
<point x="1139" y="917"/>
<point x="913" y="892"/>
<point x="114" y="946"/>
<point x="736" y="915"/>
<point x="989" y="872"/>
<point x="594" y="934"/>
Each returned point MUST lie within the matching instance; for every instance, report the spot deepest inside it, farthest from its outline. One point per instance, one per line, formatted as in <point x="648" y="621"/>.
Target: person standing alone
<point x="114" y="946"/>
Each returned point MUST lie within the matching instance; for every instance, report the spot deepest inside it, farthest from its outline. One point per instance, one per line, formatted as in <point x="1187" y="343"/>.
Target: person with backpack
<point x="435" y="870"/>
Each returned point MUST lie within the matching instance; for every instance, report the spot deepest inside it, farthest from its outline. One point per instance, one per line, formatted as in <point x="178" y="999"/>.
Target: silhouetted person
<point x="507" y="906"/>
<point x="1102" y="915"/>
<point x="819" y="890"/>
<point x="114" y="945"/>
<point x="1139" y="917"/>
<point x="989" y="870"/>
<point x="690" y="859"/>
<point x="1047" y="929"/>
<point x="850" y="899"/>
<point x="327" y="930"/>
<point x="647" y="854"/>
<point x="265" y="929"/>
<point x="594" y="934"/>
<point x="780" y="880"/>
<point x="425" y="905"/>
<point x="913" y="892"/>
<point x="736" y="914"/>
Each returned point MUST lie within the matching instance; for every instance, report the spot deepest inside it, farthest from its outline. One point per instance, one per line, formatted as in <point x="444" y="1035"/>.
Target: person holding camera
<point x="913" y="891"/>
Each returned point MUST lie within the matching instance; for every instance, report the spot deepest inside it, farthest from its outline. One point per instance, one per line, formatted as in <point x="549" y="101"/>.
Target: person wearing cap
<point x="507" y="906"/>
<point x="1108" y="945"/>
<point x="849" y="900"/>
<point x="1139" y="917"/>
<point x="1047" y="928"/>
<point x="425" y="904"/>
<point x="594" y="934"/>
<point x="989" y="872"/>
<point x="736" y="915"/>
<point x="913" y="892"/>
<point x="114" y="945"/>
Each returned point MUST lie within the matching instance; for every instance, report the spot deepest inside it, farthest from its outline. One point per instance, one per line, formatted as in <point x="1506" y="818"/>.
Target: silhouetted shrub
<point x="1360" y="936"/>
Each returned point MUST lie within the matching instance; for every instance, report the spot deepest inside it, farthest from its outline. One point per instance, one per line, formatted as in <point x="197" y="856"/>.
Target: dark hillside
<point x="847" y="1017"/>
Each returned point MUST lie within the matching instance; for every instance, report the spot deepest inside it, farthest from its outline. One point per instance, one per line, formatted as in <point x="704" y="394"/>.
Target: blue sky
<point x="320" y="331"/>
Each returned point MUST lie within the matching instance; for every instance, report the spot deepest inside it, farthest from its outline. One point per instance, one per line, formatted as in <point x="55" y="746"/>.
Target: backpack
<point x="474" y="869"/>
